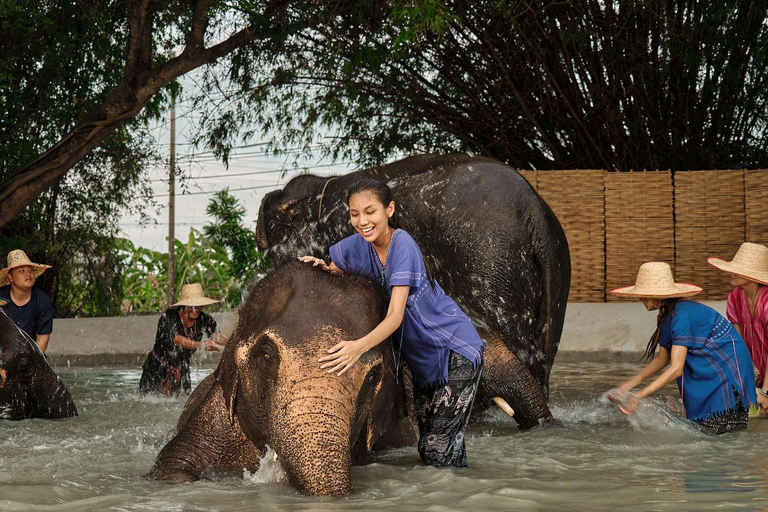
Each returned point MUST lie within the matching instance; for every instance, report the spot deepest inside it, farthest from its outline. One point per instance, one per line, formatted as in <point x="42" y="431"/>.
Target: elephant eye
<point x="265" y="352"/>
<point x="373" y="374"/>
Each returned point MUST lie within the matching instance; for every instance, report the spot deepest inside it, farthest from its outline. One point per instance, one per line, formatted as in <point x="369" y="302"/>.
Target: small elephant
<point x="489" y="239"/>
<point x="269" y="389"/>
<point x="29" y="388"/>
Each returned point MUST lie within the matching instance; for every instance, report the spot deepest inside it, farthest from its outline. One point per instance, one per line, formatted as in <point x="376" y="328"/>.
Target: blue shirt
<point x="35" y="317"/>
<point x="433" y="324"/>
<point x="717" y="360"/>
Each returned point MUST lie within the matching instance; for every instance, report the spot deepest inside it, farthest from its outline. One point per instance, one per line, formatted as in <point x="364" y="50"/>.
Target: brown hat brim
<point x="731" y="268"/>
<point x="198" y="301"/>
<point x="681" y="290"/>
<point x="39" y="270"/>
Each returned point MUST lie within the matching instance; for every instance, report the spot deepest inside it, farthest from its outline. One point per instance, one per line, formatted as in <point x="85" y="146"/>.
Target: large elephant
<point x="29" y="388"/>
<point x="268" y="388"/>
<point x="490" y="240"/>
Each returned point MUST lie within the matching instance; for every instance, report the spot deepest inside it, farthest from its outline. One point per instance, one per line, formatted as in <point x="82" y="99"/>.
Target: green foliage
<point x="227" y="230"/>
<point x="199" y="260"/>
<point x="579" y="84"/>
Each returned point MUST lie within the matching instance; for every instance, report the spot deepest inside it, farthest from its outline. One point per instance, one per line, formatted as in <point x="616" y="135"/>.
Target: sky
<point x="251" y="175"/>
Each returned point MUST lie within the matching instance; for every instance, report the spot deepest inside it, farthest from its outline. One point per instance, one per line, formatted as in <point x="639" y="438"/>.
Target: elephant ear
<point x="387" y="409"/>
<point x="227" y="376"/>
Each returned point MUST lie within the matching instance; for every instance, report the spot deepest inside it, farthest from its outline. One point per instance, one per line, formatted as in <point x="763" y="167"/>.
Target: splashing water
<point x="270" y="471"/>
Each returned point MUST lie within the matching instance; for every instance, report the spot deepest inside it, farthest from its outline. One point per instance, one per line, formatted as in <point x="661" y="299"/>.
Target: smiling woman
<point x="436" y="338"/>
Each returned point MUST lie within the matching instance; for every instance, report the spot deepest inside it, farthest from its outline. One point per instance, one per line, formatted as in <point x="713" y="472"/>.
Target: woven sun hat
<point x="750" y="262"/>
<point x="655" y="281"/>
<point x="192" y="295"/>
<point x="18" y="258"/>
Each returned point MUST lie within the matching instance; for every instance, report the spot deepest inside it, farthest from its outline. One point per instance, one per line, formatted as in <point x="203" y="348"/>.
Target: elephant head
<point x="269" y="388"/>
<point x="29" y="388"/>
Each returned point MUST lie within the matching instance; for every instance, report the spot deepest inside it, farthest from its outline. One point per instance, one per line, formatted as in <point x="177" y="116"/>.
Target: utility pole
<point x="172" y="206"/>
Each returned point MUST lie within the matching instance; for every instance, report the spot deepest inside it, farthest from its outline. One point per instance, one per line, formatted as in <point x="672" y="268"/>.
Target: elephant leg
<point x="206" y="440"/>
<point x="504" y="376"/>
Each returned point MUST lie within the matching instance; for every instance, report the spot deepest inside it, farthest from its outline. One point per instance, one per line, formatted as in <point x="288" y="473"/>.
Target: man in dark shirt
<point x="30" y="308"/>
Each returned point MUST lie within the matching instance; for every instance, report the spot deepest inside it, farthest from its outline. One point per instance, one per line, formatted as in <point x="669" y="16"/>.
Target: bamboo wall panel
<point x="616" y="221"/>
<point x="639" y="224"/>
<point x="531" y="177"/>
<point x="756" y="206"/>
<point x="709" y="221"/>
<point x="577" y="199"/>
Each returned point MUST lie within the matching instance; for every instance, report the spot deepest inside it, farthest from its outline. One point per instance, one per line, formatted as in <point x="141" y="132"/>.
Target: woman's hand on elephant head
<point x="316" y="262"/>
<point x="342" y="356"/>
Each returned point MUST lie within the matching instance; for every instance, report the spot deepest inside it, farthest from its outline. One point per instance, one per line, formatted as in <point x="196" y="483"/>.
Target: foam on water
<point x="270" y="471"/>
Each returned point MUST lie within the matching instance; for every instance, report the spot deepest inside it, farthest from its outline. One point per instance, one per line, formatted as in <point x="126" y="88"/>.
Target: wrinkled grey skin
<point x="489" y="239"/>
<point x="29" y="388"/>
<point x="269" y="389"/>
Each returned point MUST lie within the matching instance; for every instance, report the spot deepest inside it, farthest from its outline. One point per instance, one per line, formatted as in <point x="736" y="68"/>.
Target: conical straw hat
<point x="750" y="262"/>
<point x="18" y="258"/>
<point x="655" y="281"/>
<point x="192" y="295"/>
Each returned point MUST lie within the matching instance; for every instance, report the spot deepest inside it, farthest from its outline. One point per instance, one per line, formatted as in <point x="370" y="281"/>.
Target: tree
<point x="577" y="84"/>
<point x="227" y="230"/>
<point x="156" y="41"/>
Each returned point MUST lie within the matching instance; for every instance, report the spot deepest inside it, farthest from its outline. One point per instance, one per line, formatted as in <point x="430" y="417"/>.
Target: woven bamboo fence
<point x="616" y="221"/>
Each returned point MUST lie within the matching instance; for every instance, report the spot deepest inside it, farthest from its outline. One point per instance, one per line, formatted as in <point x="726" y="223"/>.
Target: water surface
<point x="598" y="460"/>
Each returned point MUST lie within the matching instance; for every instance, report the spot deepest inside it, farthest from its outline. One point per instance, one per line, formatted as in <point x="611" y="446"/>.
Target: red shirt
<point x="752" y="328"/>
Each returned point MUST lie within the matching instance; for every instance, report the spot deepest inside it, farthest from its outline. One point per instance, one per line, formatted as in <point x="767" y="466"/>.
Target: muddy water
<point x="598" y="460"/>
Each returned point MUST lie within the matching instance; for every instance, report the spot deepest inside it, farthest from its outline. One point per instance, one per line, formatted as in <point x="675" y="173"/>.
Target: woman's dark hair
<point x="666" y="309"/>
<point x="380" y="190"/>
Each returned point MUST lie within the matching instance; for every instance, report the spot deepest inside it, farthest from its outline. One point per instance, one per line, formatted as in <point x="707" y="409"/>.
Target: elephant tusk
<point x="504" y="406"/>
<point x="276" y="457"/>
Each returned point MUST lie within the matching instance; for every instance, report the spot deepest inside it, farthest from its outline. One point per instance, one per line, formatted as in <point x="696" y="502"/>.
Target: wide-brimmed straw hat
<point x="750" y="262"/>
<point x="18" y="258"/>
<point x="192" y="295"/>
<point x="655" y="281"/>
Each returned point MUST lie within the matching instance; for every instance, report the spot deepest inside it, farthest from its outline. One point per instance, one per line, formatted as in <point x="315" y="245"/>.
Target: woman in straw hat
<point x="706" y="355"/>
<point x="747" y="307"/>
<point x="181" y="330"/>
<point x="29" y="307"/>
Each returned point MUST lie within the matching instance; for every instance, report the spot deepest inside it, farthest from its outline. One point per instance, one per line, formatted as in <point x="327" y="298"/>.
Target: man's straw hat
<point x="192" y="295"/>
<point x="750" y="262"/>
<point x="655" y="281"/>
<point x="18" y="258"/>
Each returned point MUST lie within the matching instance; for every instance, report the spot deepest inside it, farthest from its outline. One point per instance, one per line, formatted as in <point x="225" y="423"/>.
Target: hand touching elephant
<point x="269" y="389"/>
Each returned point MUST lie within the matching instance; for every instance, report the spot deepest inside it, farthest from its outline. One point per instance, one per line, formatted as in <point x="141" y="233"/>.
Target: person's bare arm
<point x="652" y="368"/>
<point x="344" y="354"/>
<point x="676" y="365"/>
<point x="42" y="341"/>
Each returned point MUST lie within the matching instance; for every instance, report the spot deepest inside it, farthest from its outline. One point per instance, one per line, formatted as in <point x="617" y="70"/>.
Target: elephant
<point x="29" y="388"/>
<point x="488" y="238"/>
<point x="269" y="390"/>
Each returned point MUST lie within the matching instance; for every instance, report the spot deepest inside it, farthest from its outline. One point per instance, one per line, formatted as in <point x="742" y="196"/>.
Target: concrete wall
<point x="592" y="332"/>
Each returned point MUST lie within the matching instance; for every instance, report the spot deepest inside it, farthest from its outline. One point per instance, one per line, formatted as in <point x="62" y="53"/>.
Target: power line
<point x="254" y="173"/>
<point x="215" y="191"/>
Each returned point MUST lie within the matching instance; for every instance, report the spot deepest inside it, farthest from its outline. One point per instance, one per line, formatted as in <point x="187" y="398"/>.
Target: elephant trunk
<point x="312" y="441"/>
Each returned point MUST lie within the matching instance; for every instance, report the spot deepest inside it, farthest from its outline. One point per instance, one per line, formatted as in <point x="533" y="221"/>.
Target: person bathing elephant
<point x="29" y="388"/>
<point x="268" y="388"/>
<point x="488" y="238"/>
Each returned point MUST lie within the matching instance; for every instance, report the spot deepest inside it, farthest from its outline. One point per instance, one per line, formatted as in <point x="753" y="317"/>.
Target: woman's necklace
<point x="752" y="301"/>
<point x="186" y="332"/>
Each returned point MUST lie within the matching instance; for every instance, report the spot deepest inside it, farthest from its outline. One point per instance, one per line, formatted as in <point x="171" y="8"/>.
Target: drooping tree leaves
<point x="576" y="84"/>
